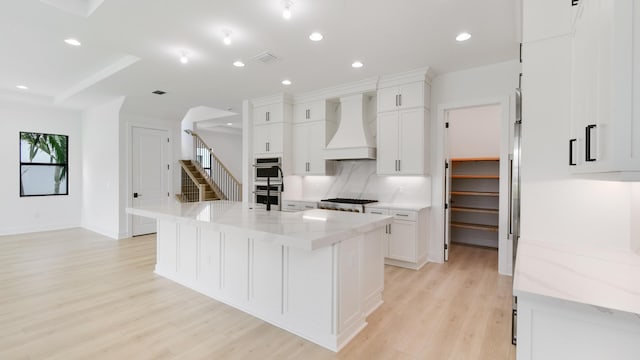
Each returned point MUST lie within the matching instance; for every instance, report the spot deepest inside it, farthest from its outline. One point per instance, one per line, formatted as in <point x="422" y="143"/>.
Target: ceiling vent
<point x="266" y="57"/>
<point x="159" y="92"/>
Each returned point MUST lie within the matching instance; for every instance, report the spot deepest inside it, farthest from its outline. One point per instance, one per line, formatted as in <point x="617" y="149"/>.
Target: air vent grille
<point x="266" y="57"/>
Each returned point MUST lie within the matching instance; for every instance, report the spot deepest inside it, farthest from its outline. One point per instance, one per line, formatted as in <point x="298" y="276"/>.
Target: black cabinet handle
<point x="136" y="195"/>
<point x="571" y="163"/>
<point x="587" y="137"/>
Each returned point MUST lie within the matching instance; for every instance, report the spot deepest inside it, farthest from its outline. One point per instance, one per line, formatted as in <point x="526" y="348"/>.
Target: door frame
<point x="131" y="154"/>
<point x="507" y="103"/>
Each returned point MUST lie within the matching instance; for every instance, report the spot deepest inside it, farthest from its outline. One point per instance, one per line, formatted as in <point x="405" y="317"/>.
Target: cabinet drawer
<point x="377" y="211"/>
<point x="291" y="206"/>
<point x="403" y="215"/>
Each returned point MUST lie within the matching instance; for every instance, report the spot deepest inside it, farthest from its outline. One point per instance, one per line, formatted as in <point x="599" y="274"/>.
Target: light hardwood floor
<point x="73" y="294"/>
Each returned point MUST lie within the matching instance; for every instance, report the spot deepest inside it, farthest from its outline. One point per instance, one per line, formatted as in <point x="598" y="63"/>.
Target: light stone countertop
<point x="580" y="273"/>
<point x="307" y="230"/>
<point x="399" y="206"/>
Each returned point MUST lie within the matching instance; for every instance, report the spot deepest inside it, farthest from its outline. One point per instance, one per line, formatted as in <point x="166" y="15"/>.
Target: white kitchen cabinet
<point x="403" y="96"/>
<point x="605" y="121"/>
<point x="309" y="141"/>
<point x="269" y="139"/>
<point x="402" y="240"/>
<point x="402" y="139"/>
<point x="298" y="205"/>
<point x="269" y="113"/>
<point x="405" y="240"/>
<point x="309" y="111"/>
<point x="543" y="19"/>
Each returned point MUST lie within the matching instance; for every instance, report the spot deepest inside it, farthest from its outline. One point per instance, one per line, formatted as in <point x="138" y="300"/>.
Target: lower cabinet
<point x="405" y="240"/>
<point x="298" y="205"/>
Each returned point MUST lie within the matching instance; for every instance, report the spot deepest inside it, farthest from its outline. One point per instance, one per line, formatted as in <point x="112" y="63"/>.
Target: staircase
<point x="195" y="186"/>
<point x="206" y="178"/>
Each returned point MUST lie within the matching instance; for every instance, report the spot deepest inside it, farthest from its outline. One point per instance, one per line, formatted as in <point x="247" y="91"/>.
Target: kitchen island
<point x="316" y="273"/>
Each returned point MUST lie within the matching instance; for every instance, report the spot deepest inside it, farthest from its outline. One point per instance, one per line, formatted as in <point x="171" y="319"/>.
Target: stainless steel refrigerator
<point x="514" y="206"/>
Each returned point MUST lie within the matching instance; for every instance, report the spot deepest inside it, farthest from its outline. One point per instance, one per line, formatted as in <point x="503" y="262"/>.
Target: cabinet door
<point x="317" y="110"/>
<point x="276" y="138"/>
<point x="387" y="162"/>
<point x="411" y="95"/>
<point x="402" y="240"/>
<point x="316" y="143"/>
<point x="300" y="149"/>
<point x="387" y="99"/>
<point x="544" y="19"/>
<point x="260" y="114"/>
<point x="412" y="140"/>
<point x="267" y="114"/>
<point x="276" y="113"/>
<point x="301" y="112"/>
<point x="260" y="139"/>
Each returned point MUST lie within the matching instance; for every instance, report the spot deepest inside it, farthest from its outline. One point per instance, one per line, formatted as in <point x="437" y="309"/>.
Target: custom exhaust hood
<point x="354" y="138"/>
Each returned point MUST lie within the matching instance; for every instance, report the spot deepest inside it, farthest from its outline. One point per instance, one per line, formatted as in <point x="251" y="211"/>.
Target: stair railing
<point x="192" y="191"/>
<point x="218" y="174"/>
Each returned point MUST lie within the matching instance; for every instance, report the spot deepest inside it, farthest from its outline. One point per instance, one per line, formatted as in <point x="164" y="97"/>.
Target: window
<point x="43" y="164"/>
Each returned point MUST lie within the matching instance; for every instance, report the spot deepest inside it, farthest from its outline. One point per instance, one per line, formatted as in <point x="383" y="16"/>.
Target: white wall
<point x="490" y="84"/>
<point x="41" y="213"/>
<point x="227" y="146"/>
<point x="475" y="132"/>
<point x="101" y="157"/>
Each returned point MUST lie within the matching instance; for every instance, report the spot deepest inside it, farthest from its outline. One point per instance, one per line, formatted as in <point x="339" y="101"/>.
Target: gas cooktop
<point x="350" y="201"/>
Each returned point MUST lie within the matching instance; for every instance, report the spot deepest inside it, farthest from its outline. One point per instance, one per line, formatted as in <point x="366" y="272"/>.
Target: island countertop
<point x="308" y="230"/>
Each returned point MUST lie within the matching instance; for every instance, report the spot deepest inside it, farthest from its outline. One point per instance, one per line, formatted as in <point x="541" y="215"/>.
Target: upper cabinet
<point x="605" y="101"/>
<point x="309" y="111"/>
<point x="314" y="124"/>
<point x="272" y="128"/>
<point x="403" y="96"/>
<point x="402" y="136"/>
<point x="270" y="113"/>
<point x="544" y="19"/>
<point x="403" y="124"/>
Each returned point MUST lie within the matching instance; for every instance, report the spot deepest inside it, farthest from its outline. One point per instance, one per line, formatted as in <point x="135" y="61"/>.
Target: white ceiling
<point x="131" y="47"/>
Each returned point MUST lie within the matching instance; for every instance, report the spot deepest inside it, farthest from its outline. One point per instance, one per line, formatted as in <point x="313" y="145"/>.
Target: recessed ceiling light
<point x="286" y="13"/>
<point x="73" y="42"/>
<point x="463" y="36"/>
<point x="238" y="63"/>
<point x="316" y="36"/>
<point x="357" y="64"/>
<point x="22" y="87"/>
<point x="229" y="124"/>
<point x="227" y="38"/>
<point x="286" y="82"/>
<point x="184" y="58"/>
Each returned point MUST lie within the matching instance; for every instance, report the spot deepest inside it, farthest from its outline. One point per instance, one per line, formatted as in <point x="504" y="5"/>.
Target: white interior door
<point x="150" y="174"/>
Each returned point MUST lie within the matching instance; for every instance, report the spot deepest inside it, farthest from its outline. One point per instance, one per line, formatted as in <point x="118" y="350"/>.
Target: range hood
<point x="353" y="139"/>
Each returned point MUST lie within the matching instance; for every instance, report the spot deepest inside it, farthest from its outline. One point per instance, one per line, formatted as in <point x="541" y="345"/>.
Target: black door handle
<point x="135" y="195"/>
<point x="588" y="142"/>
<point x="571" y="163"/>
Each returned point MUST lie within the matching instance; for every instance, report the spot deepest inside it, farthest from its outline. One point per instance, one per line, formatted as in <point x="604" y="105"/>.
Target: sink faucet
<point x="269" y="186"/>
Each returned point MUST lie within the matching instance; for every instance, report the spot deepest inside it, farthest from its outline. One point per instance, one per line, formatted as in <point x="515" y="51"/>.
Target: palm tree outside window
<point x="43" y="164"/>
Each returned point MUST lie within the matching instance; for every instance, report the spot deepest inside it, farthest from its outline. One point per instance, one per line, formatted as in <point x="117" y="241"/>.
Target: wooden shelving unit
<point x="475" y="184"/>
<point x="475" y="226"/>
<point x="475" y="210"/>
<point x="475" y="193"/>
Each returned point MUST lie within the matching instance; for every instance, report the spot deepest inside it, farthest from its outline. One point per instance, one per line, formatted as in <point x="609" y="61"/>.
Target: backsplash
<point x="357" y="179"/>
